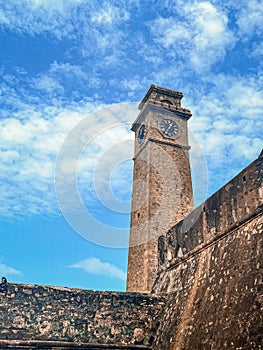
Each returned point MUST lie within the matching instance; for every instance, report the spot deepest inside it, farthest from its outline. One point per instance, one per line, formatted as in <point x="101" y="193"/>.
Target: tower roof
<point x="163" y="99"/>
<point x="157" y="90"/>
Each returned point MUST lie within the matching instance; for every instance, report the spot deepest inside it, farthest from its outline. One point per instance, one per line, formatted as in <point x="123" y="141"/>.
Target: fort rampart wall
<point x="210" y="265"/>
<point x="42" y="317"/>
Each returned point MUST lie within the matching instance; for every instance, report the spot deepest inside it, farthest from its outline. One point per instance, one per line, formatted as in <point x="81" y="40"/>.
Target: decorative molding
<point x="187" y="148"/>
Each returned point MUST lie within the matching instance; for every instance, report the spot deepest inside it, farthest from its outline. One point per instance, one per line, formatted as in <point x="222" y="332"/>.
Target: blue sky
<point x="72" y="72"/>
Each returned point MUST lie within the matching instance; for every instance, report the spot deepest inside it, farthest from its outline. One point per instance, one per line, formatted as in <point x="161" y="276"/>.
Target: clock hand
<point x="169" y="127"/>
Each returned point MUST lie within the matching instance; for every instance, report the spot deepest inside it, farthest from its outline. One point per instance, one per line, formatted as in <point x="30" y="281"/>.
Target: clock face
<point x="141" y="133"/>
<point x="169" y="127"/>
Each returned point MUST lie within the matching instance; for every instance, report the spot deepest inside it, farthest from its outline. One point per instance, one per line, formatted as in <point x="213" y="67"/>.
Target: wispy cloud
<point x="8" y="270"/>
<point x="199" y="38"/>
<point x="30" y="147"/>
<point x="110" y="14"/>
<point x="97" y="267"/>
<point x="250" y="19"/>
<point x="28" y="155"/>
<point x="92" y="26"/>
<point x="227" y="123"/>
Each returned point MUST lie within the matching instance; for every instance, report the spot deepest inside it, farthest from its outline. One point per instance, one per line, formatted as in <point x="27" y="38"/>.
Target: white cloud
<point x="67" y="69"/>
<point x="170" y="32"/>
<point x="110" y="14"/>
<point x="227" y="121"/>
<point x="101" y="141"/>
<point x="49" y="84"/>
<point x="97" y="267"/>
<point x="200" y="37"/>
<point x="8" y="270"/>
<point x="30" y="147"/>
<point x="94" y="26"/>
<point x="250" y="19"/>
<point x="257" y="50"/>
<point x="53" y="5"/>
<point x="28" y="154"/>
<point x="211" y="35"/>
<point x="3" y="18"/>
<point x="33" y="18"/>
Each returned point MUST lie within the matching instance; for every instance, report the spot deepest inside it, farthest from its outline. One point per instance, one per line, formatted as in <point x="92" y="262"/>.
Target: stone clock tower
<point x="162" y="187"/>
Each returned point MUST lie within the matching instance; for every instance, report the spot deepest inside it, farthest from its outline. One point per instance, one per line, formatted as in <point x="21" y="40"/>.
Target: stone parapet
<point x="62" y="315"/>
<point x="233" y="205"/>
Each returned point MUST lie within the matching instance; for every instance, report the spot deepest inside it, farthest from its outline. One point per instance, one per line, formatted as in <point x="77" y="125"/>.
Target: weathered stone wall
<point x="55" y="314"/>
<point x="227" y="209"/>
<point x="212" y="265"/>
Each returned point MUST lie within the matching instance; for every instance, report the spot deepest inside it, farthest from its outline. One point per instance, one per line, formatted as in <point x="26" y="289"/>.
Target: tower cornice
<point x="161" y="107"/>
<point x="154" y="90"/>
<point x="149" y="140"/>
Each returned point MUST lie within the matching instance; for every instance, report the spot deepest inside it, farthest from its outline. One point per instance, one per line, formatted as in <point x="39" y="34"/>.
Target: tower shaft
<point x="162" y="187"/>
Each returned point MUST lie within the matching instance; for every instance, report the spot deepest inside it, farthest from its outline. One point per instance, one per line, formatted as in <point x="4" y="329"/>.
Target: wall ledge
<point x="213" y="240"/>
<point x="39" y="344"/>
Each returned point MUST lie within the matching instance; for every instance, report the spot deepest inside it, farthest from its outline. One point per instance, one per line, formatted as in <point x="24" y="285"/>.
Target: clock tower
<point x="162" y="187"/>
